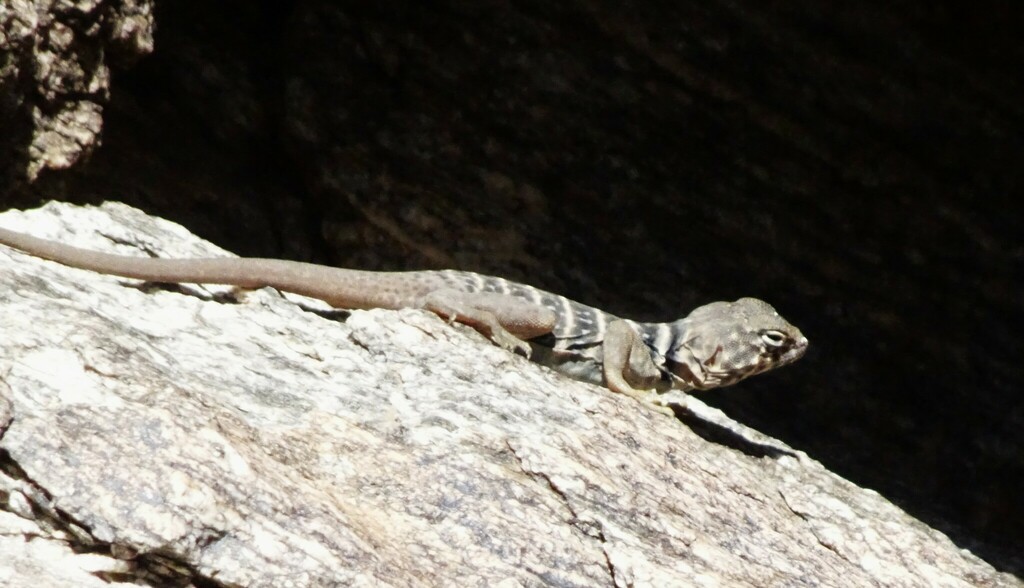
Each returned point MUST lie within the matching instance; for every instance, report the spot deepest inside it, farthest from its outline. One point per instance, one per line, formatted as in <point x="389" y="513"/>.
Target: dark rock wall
<point x="858" y="167"/>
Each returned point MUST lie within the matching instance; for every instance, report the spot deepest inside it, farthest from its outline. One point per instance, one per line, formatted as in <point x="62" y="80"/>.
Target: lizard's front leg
<point x="624" y="353"/>
<point x="505" y="320"/>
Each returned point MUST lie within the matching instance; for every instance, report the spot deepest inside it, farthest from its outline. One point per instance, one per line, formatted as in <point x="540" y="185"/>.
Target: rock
<point x="164" y="434"/>
<point x="55" y="61"/>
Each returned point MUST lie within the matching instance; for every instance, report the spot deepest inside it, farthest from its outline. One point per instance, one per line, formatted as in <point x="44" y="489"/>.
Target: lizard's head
<point x="722" y="343"/>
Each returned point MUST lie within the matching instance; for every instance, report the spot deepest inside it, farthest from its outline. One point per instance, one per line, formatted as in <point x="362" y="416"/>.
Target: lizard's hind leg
<point x="505" y="320"/>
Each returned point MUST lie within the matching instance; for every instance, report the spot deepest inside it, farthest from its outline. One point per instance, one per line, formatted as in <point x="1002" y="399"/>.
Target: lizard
<point x="717" y="344"/>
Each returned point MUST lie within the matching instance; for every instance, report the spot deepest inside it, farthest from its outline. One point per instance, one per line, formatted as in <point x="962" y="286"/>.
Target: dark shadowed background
<point x="858" y="167"/>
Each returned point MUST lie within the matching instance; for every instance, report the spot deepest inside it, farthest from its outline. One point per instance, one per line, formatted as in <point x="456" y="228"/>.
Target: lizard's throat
<point x="688" y="372"/>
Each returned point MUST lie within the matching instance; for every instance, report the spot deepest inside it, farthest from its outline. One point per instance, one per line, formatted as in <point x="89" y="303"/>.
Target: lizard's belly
<point x="579" y="364"/>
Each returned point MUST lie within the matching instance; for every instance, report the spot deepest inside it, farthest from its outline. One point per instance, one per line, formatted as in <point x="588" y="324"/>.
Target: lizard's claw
<point x="662" y="408"/>
<point x="657" y="403"/>
<point x="510" y="342"/>
<point x="649" y="398"/>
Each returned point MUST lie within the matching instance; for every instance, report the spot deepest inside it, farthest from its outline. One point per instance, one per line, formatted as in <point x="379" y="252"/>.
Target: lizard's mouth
<point x="796" y="350"/>
<point x="794" y="353"/>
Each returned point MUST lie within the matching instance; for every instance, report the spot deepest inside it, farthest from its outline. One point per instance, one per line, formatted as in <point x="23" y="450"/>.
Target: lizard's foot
<point x="510" y="342"/>
<point x="659" y="407"/>
<point x="661" y="403"/>
<point x="649" y="398"/>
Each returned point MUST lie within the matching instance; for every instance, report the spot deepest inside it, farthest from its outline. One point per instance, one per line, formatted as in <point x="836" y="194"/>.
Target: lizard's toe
<point x="521" y="347"/>
<point x="653" y="399"/>
<point x="510" y="342"/>
<point x="662" y="408"/>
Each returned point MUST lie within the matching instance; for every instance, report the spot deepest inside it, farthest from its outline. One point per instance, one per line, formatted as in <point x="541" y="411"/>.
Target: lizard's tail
<point x="341" y="288"/>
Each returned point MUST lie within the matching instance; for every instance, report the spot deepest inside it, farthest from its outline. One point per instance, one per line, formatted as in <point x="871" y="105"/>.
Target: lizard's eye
<point x="774" y="338"/>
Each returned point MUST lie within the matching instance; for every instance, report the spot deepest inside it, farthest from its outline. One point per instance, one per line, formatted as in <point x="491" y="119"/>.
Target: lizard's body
<point x="716" y="345"/>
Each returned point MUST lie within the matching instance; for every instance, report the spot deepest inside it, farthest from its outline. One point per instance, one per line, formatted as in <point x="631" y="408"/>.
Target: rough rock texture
<point x="858" y="166"/>
<point x="163" y="435"/>
<point x="55" y="60"/>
